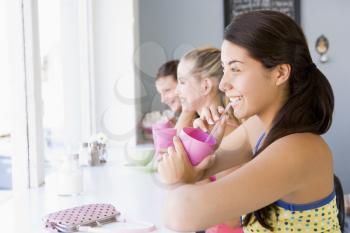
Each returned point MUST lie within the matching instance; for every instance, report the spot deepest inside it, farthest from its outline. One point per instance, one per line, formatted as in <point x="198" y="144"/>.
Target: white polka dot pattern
<point x="81" y="215"/>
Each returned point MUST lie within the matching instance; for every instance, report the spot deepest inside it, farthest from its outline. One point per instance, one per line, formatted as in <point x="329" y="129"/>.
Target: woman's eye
<point x="235" y="70"/>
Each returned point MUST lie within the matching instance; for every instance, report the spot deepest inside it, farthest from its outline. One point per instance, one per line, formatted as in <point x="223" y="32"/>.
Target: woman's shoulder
<point x="309" y="148"/>
<point x="308" y="142"/>
<point x="298" y="160"/>
<point x="310" y="156"/>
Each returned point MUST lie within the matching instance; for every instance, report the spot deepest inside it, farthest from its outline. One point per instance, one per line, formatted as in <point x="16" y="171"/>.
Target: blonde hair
<point x="206" y="62"/>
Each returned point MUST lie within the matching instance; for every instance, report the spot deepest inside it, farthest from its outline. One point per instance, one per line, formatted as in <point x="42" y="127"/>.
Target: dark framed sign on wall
<point x="232" y="8"/>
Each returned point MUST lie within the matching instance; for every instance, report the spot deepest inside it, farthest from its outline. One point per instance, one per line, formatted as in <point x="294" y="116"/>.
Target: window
<point x="65" y="77"/>
<point x="6" y="109"/>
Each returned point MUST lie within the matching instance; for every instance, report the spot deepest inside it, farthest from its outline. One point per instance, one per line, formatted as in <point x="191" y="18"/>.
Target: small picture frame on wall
<point x="233" y="8"/>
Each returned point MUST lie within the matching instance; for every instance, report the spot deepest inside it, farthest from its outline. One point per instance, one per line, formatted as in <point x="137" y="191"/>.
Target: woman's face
<point x="189" y="88"/>
<point x="166" y="88"/>
<point x="246" y="82"/>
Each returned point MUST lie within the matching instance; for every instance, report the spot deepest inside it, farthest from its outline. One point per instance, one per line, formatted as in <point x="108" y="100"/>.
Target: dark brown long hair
<point x="274" y="38"/>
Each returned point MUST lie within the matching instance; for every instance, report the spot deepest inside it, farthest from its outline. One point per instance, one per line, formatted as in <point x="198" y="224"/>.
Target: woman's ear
<point x="207" y="85"/>
<point x="282" y="74"/>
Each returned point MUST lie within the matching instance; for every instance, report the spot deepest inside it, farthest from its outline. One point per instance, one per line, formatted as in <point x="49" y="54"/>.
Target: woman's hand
<point x="211" y="119"/>
<point x="175" y="167"/>
<point x="210" y="116"/>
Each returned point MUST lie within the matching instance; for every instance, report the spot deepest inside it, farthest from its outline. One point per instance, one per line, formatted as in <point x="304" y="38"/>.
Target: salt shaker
<point x="103" y="152"/>
<point x="84" y="154"/>
<point x="94" y="155"/>
<point x="70" y="176"/>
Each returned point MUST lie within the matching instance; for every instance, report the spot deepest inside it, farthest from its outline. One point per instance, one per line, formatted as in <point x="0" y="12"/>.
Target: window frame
<point x="26" y="135"/>
<point x="25" y="70"/>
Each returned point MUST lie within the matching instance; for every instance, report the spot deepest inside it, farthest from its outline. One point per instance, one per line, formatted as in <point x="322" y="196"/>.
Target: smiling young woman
<point x="287" y="184"/>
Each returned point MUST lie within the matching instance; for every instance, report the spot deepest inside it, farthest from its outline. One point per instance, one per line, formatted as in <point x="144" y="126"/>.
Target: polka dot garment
<point x="319" y="217"/>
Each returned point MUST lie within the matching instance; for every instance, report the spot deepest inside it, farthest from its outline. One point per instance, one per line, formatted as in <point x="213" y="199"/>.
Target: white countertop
<point x="134" y="192"/>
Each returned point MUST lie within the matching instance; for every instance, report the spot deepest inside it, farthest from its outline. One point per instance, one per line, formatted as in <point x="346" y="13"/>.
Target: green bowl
<point x="140" y="156"/>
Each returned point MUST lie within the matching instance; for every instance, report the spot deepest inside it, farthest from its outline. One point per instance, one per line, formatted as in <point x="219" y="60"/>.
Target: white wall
<point x="5" y="90"/>
<point x="332" y="19"/>
<point x="70" y="71"/>
<point x="114" y="68"/>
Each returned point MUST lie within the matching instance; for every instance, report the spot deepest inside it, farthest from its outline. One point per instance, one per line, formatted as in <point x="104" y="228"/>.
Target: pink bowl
<point x="197" y="149"/>
<point x="163" y="138"/>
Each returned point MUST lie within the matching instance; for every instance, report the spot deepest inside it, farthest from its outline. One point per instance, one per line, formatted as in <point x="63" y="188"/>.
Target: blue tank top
<point x="318" y="216"/>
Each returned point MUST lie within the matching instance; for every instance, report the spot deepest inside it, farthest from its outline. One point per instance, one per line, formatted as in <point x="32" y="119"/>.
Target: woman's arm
<point x="219" y="175"/>
<point x="185" y="120"/>
<point x="277" y="171"/>
<point x="236" y="148"/>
